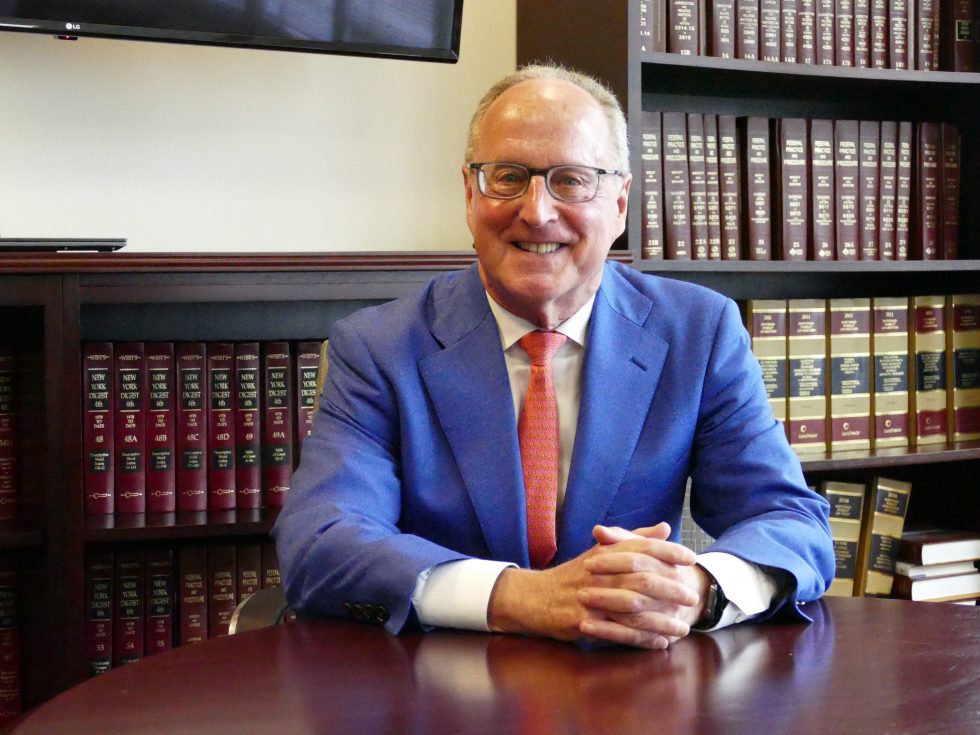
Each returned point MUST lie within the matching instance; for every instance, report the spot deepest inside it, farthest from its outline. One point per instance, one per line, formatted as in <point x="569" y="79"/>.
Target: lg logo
<point x="73" y="26"/>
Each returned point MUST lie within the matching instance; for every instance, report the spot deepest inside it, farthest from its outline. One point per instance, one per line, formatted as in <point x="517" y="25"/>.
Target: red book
<point x="806" y="32"/>
<point x="8" y="436"/>
<point x="823" y="235"/>
<point x="130" y="427"/>
<point x="729" y="188"/>
<point x="862" y="33"/>
<point x="938" y="546"/>
<point x="959" y="37"/>
<point x="307" y="369"/>
<point x="788" y="13"/>
<point x="887" y="189"/>
<point x="652" y="25"/>
<point x="868" y="147"/>
<point x="677" y="190"/>
<point x="97" y="434"/>
<point x="11" y="695"/>
<point x="127" y="623"/>
<point x="161" y="441"/>
<point x="929" y="347"/>
<point x="192" y="426"/>
<point x="277" y="423"/>
<point x="879" y="34"/>
<point x="99" y="574"/>
<point x="271" y="577"/>
<point x="926" y="17"/>
<point x="712" y="185"/>
<point x="248" y="423"/>
<point x="903" y="191"/>
<point x="248" y="563"/>
<point x="159" y="600"/>
<point x="221" y="425"/>
<point x="192" y="593"/>
<point x="794" y="185"/>
<point x="652" y="167"/>
<point x="846" y="170"/>
<point x="222" y="594"/>
<point x="826" y="45"/>
<point x="925" y="244"/>
<point x="757" y="177"/>
<point x="721" y="21"/>
<point x="769" y="27"/>
<point x="950" y="191"/>
<point x="683" y="27"/>
<point x="747" y="24"/>
<point x="899" y="27"/>
<point x="963" y="374"/>
<point x="844" y="32"/>
<point x="699" y="187"/>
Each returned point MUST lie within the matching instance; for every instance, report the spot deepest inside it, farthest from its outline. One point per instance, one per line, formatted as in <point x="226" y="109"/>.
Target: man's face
<point x="541" y="258"/>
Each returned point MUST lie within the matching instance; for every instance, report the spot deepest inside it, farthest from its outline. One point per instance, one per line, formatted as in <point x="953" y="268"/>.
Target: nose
<point x="537" y="204"/>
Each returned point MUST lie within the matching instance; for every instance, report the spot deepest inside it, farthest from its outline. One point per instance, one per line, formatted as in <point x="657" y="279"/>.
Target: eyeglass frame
<point x="542" y="172"/>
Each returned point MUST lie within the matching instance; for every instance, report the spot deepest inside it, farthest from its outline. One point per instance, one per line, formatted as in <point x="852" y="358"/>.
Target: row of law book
<point x="877" y="556"/>
<point x="726" y="187"/>
<point x="195" y="426"/>
<point x="11" y="681"/>
<point x="861" y="373"/>
<point x="925" y="35"/>
<point x="8" y="435"/>
<point x="140" y="602"/>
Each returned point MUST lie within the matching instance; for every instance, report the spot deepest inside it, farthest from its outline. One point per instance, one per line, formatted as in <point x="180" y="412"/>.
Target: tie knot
<point x="541" y="345"/>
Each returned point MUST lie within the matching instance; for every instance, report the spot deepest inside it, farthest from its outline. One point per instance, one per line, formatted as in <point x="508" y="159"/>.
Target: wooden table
<point x="863" y="666"/>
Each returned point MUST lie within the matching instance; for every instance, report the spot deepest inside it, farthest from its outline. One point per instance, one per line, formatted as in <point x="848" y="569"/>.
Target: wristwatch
<point x="714" y="606"/>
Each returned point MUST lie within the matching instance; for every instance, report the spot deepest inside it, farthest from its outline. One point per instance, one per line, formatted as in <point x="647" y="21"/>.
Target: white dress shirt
<point x="457" y="594"/>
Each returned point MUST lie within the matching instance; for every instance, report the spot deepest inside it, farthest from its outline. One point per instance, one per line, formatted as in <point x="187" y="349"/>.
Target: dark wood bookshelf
<point x="180" y="525"/>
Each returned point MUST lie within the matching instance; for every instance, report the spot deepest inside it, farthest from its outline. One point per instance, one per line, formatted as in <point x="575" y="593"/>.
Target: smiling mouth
<point x="539" y="248"/>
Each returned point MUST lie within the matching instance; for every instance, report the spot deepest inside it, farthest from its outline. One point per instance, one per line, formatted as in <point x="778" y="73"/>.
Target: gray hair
<point x="600" y="93"/>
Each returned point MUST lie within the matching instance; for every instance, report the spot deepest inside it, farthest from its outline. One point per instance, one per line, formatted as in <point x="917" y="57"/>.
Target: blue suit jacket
<point x="414" y="460"/>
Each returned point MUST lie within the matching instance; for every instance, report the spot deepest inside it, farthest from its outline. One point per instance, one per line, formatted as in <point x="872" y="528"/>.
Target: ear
<point x="467" y="185"/>
<point x="622" y="201"/>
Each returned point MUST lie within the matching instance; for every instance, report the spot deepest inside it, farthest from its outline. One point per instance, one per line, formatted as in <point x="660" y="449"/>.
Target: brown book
<point x="879" y="34"/>
<point x="807" y="375"/>
<point x="766" y="320"/>
<point x="826" y="33"/>
<point x="220" y="403"/>
<point x="192" y="426"/>
<point x="8" y="435"/>
<point x="307" y="367"/>
<point x="789" y="15"/>
<point x="869" y="141"/>
<point x="160" y="600"/>
<point x="794" y="183"/>
<point x="899" y="26"/>
<point x="844" y="32"/>
<point x="903" y="191"/>
<point x="683" y="27"/>
<point x="99" y="601"/>
<point x="885" y="508"/>
<point x="806" y="36"/>
<point x="712" y="186"/>
<point x="651" y="162"/>
<point x="949" y="241"/>
<point x="769" y="29"/>
<point x="98" y="437"/>
<point x="925" y="243"/>
<point x="850" y="373"/>
<point x="248" y="565"/>
<point x="721" y="21"/>
<point x="951" y="588"/>
<point x="729" y="151"/>
<point x="129" y="365"/>
<point x="927" y="546"/>
<point x="846" y="176"/>
<point x="823" y="234"/>
<point x="698" y="184"/>
<point x="926" y="12"/>
<point x="248" y="425"/>
<point x="222" y="588"/>
<point x="892" y="371"/>
<point x="747" y="40"/>
<point x="862" y="33"/>
<point x="127" y="622"/>
<point x="963" y="376"/>
<point x="677" y="191"/>
<point x="11" y="682"/>
<point x="928" y="338"/>
<point x="846" y="509"/>
<point x="958" y="35"/>
<point x="321" y="374"/>
<point x="271" y="576"/>
<point x="161" y="442"/>
<point x="652" y="25"/>
<point x="277" y="422"/>
<point x="192" y="593"/>
<point x="887" y="188"/>
<point x="756" y="174"/>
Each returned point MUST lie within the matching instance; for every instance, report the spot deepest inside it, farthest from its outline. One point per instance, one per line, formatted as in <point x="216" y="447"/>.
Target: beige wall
<point x="195" y="148"/>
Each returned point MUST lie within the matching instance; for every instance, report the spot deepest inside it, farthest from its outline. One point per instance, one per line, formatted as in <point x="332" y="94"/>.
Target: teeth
<point x="538" y="247"/>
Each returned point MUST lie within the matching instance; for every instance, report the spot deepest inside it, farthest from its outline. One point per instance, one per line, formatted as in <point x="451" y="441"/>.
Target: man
<point x="422" y="495"/>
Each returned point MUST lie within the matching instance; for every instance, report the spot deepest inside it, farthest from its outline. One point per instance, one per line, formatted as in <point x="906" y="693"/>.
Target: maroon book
<point x="757" y="176"/>
<point x="271" y="576"/>
<point x="677" y="190"/>
<point x="222" y="594"/>
<point x="721" y="21"/>
<point x="868" y="147"/>
<point x="823" y="220"/>
<point x="846" y="170"/>
<point x="903" y="191"/>
<point x="98" y="438"/>
<point x="887" y="186"/>
<point x="899" y="26"/>
<point x="221" y="425"/>
<point x="248" y="565"/>
<point x="769" y="27"/>
<point x="127" y="623"/>
<point x="789" y="11"/>
<point x="159" y="600"/>
<point x="161" y="440"/>
<point x="925" y="243"/>
<point x="699" y="188"/>
<point x="11" y="682"/>
<point x="949" y="242"/>
<point x="712" y="185"/>
<point x="926" y="17"/>
<point x="651" y="164"/>
<point x="958" y="42"/>
<point x="130" y="427"/>
<point x="192" y="593"/>
<point x="794" y="186"/>
<point x="806" y="32"/>
<point x="192" y="426"/>
<point x="879" y="34"/>
<point x="248" y="425"/>
<point x="277" y="423"/>
<point x="99" y="601"/>
<point x="844" y="32"/>
<point x="826" y="55"/>
<point x="729" y="152"/>
<point x="652" y="15"/>
<point x="747" y="25"/>
<point x="307" y="370"/>
<point x="8" y="435"/>
<point x="683" y="27"/>
<point x="862" y="33"/>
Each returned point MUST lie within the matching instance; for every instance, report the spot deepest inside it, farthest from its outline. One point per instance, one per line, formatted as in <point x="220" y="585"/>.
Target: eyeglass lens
<point x="567" y="183"/>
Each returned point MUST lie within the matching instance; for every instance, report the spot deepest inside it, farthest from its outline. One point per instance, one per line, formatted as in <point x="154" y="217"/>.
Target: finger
<point x="610" y="534"/>
<point x="660" y="531"/>
<point x="637" y="592"/>
<point x="613" y="632"/>
<point x="665" y="551"/>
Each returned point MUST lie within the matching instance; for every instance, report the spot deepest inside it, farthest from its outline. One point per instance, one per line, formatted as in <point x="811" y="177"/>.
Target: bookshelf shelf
<point x="891" y="457"/>
<point x="179" y="525"/>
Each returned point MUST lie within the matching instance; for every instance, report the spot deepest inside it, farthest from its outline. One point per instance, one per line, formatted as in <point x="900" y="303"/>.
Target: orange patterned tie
<point x="537" y="430"/>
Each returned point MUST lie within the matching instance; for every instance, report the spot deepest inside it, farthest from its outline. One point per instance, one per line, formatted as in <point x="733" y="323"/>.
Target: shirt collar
<point x="512" y="327"/>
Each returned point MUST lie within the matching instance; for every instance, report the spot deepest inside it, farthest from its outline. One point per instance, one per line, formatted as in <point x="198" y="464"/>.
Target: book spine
<point x="887" y="188"/>
<point x="192" y="594"/>
<point x="8" y="435"/>
<point x="846" y="173"/>
<point x="721" y="18"/>
<point x="277" y="425"/>
<point x="653" y="196"/>
<point x="823" y="222"/>
<point x="307" y="369"/>
<point x="925" y="244"/>
<point x="844" y="32"/>
<point x="869" y="142"/>
<point x="699" y="187"/>
<point x="684" y="30"/>
<point x="850" y="373"/>
<point x="677" y="190"/>
<point x="730" y="188"/>
<point x="159" y="600"/>
<point x="789" y="11"/>
<point x="862" y="33"/>
<point x="161" y="443"/>
<point x="651" y="25"/>
<point x="846" y="508"/>
<point x="884" y="513"/>
<point x="248" y="425"/>
<point x="964" y="375"/>
<point x="767" y="332"/>
<point x="747" y="40"/>
<point x="950" y="191"/>
<point x="826" y="45"/>
<point x="712" y="186"/>
<point x="959" y="37"/>
<point x="769" y="28"/>
<point x="929" y="369"/>
<point x="903" y="191"/>
<point x="220" y="403"/>
<point x="806" y="32"/>
<point x="98" y="435"/>
<point x="127" y="624"/>
<point x="890" y="350"/>
<point x="794" y="187"/>
<point x="271" y="576"/>
<point x="757" y="176"/>
<point x="99" y="598"/>
<point x="807" y="374"/>
<point x="222" y="592"/>
<point x="898" y="26"/>
<point x="879" y="34"/>
<point x="129" y="461"/>
<point x="925" y="31"/>
<point x="192" y="426"/>
<point x="11" y="682"/>
<point x="248" y="565"/>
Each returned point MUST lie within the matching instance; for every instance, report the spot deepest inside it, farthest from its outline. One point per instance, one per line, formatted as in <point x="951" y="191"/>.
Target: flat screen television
<point x="423" y="30"/>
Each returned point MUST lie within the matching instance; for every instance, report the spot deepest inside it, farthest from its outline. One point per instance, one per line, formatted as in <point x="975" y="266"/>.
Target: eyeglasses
<point x="574" y="184"/>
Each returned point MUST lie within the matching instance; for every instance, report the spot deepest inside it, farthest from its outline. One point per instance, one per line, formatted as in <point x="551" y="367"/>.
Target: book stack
<point x="8" y="435"/>
<point x="938" y="565"/>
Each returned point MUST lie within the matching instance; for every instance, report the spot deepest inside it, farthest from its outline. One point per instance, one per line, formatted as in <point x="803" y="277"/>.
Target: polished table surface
<point x="863" y="666"/>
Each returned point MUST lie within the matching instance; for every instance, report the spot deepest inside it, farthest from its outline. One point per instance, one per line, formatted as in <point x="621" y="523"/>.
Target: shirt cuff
<point x="456" y="594"/>
<point x="750" y="590"/>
